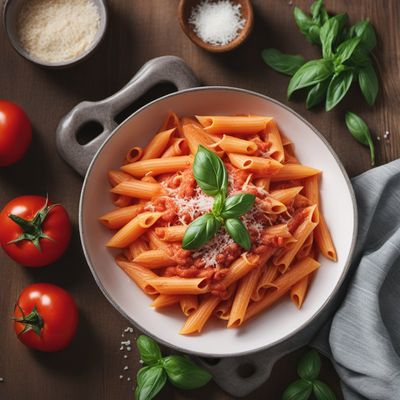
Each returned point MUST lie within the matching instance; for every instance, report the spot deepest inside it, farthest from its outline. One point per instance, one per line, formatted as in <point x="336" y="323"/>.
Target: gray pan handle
<point x="162" y="69"/>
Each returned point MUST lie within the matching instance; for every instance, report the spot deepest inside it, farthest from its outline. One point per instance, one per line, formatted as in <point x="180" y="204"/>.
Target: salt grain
<point x="217" y="23"/>
<point x="1" y="379"/>
<point x="125" y="356"/>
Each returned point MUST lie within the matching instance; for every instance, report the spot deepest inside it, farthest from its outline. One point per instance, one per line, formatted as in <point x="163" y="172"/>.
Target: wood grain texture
<point x="138" y="31"/>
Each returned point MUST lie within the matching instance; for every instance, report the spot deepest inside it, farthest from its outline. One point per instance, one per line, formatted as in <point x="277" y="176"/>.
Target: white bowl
<point x="278" y="323"/>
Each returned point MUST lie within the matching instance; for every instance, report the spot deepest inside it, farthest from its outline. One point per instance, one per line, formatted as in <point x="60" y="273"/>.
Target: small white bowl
<point x="11" y="11"/>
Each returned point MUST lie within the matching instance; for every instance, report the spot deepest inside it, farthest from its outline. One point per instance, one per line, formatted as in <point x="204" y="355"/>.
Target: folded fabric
<point x="363" y="338"/>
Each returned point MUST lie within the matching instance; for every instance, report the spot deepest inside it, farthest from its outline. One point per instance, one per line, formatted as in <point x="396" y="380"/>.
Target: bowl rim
<point x="321" y="309"/>
<point x="63" y="64"/>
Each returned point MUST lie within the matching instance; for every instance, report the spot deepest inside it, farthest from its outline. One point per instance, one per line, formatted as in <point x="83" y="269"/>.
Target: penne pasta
<point x="137" y="247"/>
<point x="158" y="166"/>
<point x="286" y="196"/>
<point x="178" y="147"/>
<point x="139" y="275"/>
<point x="138" y="189"/>
<point x="118" y="218"/>
<point x="196" y="321"/>
<point x="165" y="300"/>
<point x="171" y="233"/>
<point x="242" y="298"/>
<point x="172" y="121"/>
<point x="283" y="285"/>
<point x="272" y="135"/>
<point x="188" y="303"/>
<point x="154" y="259"/>
<point x="294" y="171"/>
<point x="158" y="144"/>
<point x="235" y="145"/>
<point x="322" y="235"/>
<point x="233" y="125"/>
<point x="267" y="276"/>
<point x="134" y="154"/>
<point x="264" y="167"/>
<point x="133" y="229"/>
<point x="263" y="183"/>
<point x="177" y="285"/>
<point x="301" y="233"/>
<point x="299" y="290"/>
<point x="196" y="136"/>
<point x="240" y="268"/>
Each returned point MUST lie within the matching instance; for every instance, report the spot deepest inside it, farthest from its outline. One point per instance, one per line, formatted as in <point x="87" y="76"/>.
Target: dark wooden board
<point x="140" y="30"/>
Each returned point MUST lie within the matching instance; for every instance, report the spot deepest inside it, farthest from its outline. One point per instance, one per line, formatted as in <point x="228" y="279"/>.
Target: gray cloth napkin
<point x="363" y="337"/>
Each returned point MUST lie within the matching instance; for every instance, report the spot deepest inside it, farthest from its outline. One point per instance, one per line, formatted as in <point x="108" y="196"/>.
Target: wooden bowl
<point x="185" y="9"/>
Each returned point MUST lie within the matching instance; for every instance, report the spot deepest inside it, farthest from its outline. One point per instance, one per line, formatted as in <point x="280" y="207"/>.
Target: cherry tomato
<point x="34" y="232"/>
<point x="15" y="133"/>
<point x="45" y="317"/>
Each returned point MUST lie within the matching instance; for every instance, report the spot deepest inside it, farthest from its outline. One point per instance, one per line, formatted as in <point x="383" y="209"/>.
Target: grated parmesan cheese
<point x="57" y="30"/>
<point x="217" y="22"/>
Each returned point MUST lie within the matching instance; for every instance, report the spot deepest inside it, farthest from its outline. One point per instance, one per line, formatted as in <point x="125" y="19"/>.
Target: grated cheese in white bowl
<point x="55" y="31"/>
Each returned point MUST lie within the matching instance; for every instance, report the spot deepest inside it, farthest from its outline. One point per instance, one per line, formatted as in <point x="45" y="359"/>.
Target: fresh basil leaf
<point x="210" y="172"/>
<point x="150" y="380"/>
<point x="365" y="31"/>
<point x="369" y="84"/>
<point x="346" y="49"/>
<point x="303" y="21"/>
<point x="218" y="204"/>
<point x="237" y="205"/>
<point x="359" y="130"/>
<point x="149" y="350"/>
<point x="185" y="374"/>
<point x="238" y="232"/>
<point x="324" y="16"/>
<point x="338" y="87"/>
<point x="309" y="366"/>
<point x="359" y="58"/>
<point x="317" y="94"/>
<point x="200" y="231"/>
<point x="342" y="20"/>
<point x="309" y="74"/>
<point x="316" y="8"/>
<point x="298" y="390"/>
<point x="327" y="34"/>
<point x="314" y="34"/>
<point x="284" y="63"/>
<point x="322" y="391"/>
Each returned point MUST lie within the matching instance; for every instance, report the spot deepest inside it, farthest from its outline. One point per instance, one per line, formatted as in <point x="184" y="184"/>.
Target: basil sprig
<point x="211" y="175"/>
<point x="179" y="370"/>
<point x="359" y="130"/>
<point x="308" y="370"/>
<point x="346" y="58"/>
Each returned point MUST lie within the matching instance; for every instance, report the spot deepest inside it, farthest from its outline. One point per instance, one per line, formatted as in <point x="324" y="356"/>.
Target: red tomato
<point x="46" y="317"/>
<point x="15" y="133"/>
<point x="34" y="232"/>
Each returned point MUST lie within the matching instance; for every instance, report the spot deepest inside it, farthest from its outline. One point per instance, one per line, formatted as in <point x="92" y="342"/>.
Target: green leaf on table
<point x="237" y="205"/>
<point x="338" y="87"/>
<point x="303" y="21"/>
<point x="365" y="31"/>
<point x="309" y="74"/>
<point x="309" y="366"/>
<point x="149" y="350"/>
<point x="322" y="391"/>
<point x="359" y="130"/>
<point x="284" y="63"/>
<point x="327" y="34"/>
<point x="184" y="373"/>
<point x="346" y="49"/>
<point x="369" y="84"/>
<point x="210" y="172"/>
<point x="317" y="94"/>
<point x="316" y="8"/>
<point x="360" y="58"/>
<point x="238" y="232"/>
<point x="200" y="231"/>
<point x="150" y="380"/>
<point x="298" y="390"/>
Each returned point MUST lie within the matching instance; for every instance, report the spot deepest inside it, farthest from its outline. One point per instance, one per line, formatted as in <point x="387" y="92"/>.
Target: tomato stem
<point x="32" y="229"/>
<point x="32" y="322"/>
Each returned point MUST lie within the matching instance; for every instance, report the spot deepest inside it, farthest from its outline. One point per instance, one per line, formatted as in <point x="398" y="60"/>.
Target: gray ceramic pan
<point x="283" y="327"/>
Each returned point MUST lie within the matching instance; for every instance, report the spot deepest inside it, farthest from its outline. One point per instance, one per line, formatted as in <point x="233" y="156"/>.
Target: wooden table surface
<point x="138" y="31"/>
